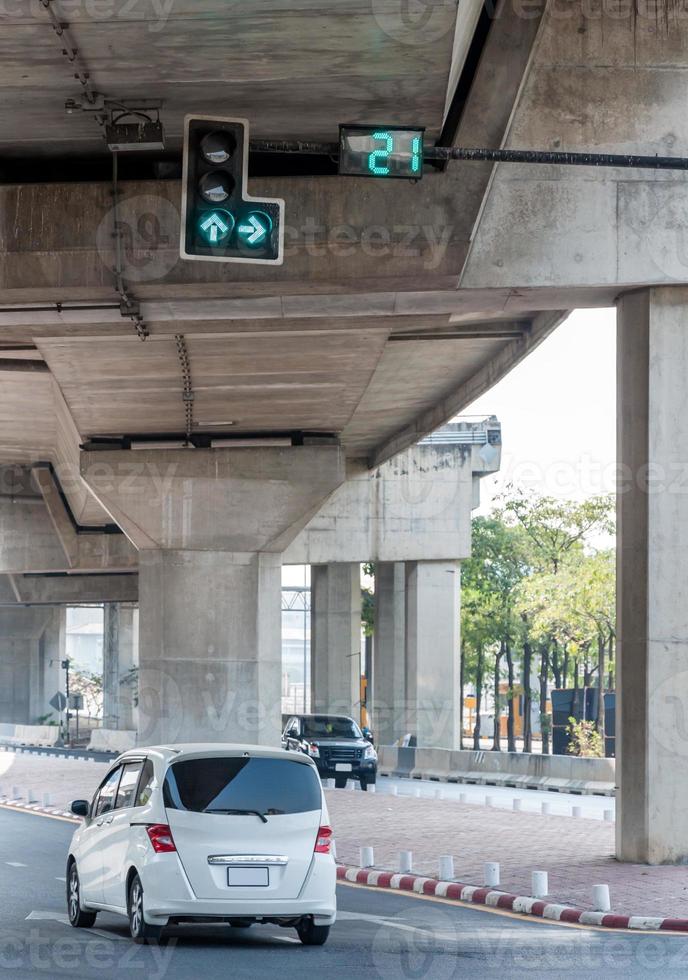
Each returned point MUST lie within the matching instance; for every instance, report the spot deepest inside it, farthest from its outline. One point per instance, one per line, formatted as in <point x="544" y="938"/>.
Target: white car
<point x="180" y="833"/>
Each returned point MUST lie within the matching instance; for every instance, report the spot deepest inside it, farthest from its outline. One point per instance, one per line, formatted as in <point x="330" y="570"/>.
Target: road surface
<point x="378" y="934"/>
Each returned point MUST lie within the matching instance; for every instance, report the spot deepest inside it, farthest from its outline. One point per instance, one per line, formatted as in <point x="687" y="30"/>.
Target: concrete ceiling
<point x="295" y="68"/>
<point x="374" y="345"/>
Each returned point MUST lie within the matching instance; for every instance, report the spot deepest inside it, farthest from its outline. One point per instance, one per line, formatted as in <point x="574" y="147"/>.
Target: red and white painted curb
<point x="503" y="900"/>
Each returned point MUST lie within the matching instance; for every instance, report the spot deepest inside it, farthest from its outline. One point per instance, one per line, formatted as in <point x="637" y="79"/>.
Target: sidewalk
<point x="576" y="852"/>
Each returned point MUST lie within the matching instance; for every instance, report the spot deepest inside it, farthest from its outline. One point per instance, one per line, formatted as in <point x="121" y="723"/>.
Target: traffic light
<point x="220" y="221"/>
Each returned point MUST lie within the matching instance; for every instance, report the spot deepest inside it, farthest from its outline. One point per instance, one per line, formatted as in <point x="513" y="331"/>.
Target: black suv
<point x="337" y="746"/>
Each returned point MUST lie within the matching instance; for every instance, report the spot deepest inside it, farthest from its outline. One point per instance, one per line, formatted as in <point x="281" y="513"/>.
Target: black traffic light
<point x="220" y="221"/>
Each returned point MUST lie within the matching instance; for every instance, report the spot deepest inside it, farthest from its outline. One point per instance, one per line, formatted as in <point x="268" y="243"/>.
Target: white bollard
<point x="446" y="867"/>
<point x="439" y="793"/>
<point x="539" y="885"/>
<point x="47" y="799"/>
<point x="609" y="816"/>
<point x="372" y="788"/>
<point x="351" y="785"/>
<point x="16" y="793"/>
<point x="544" y="808"/>
<point x="516" y="804"/>
<point x="405" y="861"/>
<point x="366" y="857"/>
<point x="488" y="801"/>
<point x="600" y="898"/>
<point x="462" y="797"/>
<point x="576" y="811"/>
<point x="491" y="874"/>
<point x="31" y="796"/>
<point x="417" y="792"/>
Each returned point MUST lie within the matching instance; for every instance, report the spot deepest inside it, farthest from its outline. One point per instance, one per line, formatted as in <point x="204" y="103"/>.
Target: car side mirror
<point x="80" y="808"/>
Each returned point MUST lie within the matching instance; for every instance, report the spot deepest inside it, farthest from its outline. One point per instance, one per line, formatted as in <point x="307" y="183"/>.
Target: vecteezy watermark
<point x="40" y="950"/>
<point x="147" y="227"/>
<point x="415" y="22"/>
<point x="153" y="15"/>
<point x="418" y="943"/>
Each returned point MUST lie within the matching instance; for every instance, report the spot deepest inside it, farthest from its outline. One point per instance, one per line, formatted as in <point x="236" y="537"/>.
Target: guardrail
<point x="559" y="773"/>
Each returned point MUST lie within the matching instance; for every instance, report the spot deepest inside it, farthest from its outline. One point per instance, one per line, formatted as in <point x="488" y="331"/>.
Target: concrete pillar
<point x="22" y="659"/>
<point x="210" y="647"/>
<point x="390" y="708"/>
<point x="336" y="638"/>
<point x="211" y="526"/>
<point x="652" y="569"/>
<point x="48" y="676"/>
<point x="118" y="663"/>
<point x="433" y="651"/>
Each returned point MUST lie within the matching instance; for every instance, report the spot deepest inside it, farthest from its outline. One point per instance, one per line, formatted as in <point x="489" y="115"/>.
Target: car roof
<point x="322" y="714"/>
<point x="186" y="750"/>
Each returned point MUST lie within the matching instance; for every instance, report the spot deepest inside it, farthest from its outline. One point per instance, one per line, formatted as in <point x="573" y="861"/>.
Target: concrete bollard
<point x="544" y="808"/>
<point x="417" y="792"/>
<point x="31" y="796"/>
<point x="47" y="799"/>
<point x="539" y="884"/>
<point x="601" y="901"/>
<point x="488" y="801"/>
<point x="351" y="785"/>
<point x="16" y="793"/>
<point x="439" y="793"/>
<point x="405" y="861"/>
<point x="372" y="788"/>
<point x="516" y="804"/>
<point x="609" y="816"/>
<point x="491" y="874"/>
<point x="462" y="797"/>
<point x="366" y="857"/>
<point x="576" y="811"/>
<point x="446" y="867"/>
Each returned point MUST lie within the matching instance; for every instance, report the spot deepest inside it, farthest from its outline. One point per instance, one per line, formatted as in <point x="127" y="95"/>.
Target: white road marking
<point x="63" y="919"/>
<point x="15" y="864"/>
<point x="57" y="878"/>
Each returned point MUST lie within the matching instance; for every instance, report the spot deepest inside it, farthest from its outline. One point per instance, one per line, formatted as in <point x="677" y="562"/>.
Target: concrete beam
<point x="67" y="590"/>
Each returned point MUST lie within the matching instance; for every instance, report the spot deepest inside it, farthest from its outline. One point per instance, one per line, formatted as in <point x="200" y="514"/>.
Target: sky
<point x="558" y="413"/>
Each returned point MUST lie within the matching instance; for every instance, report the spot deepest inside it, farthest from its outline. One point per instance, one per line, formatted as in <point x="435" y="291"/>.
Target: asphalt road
<point x="378" y="934"/>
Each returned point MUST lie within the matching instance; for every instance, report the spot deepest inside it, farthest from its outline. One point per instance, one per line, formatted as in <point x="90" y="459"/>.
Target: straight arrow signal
<point x="254" y="230"/>
<point x="214" y="226"/>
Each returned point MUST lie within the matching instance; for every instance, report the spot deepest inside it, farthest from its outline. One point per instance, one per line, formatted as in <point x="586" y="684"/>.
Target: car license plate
<point x="248" y="877"/>
<point x="342" y="767"/>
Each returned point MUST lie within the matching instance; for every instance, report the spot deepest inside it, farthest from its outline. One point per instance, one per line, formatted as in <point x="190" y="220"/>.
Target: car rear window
<point x="225" y="783"/>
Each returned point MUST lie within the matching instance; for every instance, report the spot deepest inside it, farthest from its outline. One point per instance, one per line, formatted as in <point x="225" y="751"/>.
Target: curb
<point x="490" y="898"/>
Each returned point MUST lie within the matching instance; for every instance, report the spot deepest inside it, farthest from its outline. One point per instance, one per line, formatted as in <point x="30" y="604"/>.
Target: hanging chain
<point x="187" y="389"/>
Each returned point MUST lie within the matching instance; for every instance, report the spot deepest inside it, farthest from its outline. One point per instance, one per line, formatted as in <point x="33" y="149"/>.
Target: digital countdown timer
<point x="381" y="151"/>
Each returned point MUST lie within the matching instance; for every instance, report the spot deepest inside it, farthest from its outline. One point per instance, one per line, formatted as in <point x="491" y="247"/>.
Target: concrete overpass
<point x="396" y="306"/>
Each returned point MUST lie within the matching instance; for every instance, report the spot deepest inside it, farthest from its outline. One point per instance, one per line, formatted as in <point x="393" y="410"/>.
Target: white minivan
<point x="184" y="833"/>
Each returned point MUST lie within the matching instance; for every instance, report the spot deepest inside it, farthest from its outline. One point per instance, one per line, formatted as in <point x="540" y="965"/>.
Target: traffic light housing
<point x="220" y="221"/>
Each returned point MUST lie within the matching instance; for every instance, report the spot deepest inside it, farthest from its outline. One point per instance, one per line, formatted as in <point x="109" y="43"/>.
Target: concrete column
<point x="390" y="708"/>
<point x="21" y="664"/>
<point x="211" y="526"/>
<point x="118" y="662"/>
<point x="48" y="676"/>
<point x="336" y="638"/>
<point x="433" y="651"/>
<point x="210" y="647"/>
<point x="652" y="563"/>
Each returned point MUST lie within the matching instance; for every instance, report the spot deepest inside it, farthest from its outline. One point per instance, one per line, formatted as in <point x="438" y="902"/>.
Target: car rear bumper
<point x="168" y="894"/>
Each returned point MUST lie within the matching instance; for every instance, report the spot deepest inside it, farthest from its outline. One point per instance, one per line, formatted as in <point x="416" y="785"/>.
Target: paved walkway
<point x="576" y="851"/>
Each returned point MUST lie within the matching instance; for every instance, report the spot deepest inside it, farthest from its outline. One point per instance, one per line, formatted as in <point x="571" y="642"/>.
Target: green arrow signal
<point x="255" y="229"/>
<point x="217" y="226"/>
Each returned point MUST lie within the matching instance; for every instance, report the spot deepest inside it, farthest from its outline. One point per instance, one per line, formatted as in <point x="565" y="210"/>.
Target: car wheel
<point x="77" y="917"/>
<point x="340" y="782"/>
<point x="312" y="935"/>
<point x="141" y="931"/>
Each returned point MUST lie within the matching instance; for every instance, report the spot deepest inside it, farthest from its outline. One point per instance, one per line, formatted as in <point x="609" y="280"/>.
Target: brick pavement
<point x="577" y="852"/>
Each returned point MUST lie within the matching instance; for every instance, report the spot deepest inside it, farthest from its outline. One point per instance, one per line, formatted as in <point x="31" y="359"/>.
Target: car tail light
<point x="161" y="838"/>
<point x="323" y="842"/>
